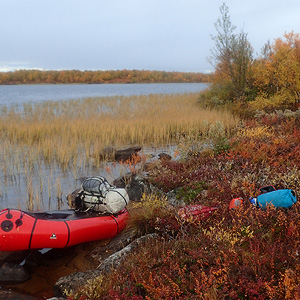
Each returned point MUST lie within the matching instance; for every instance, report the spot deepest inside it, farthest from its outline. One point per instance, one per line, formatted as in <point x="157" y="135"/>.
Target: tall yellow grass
<point x="57" y="130"/>
<point x="66" y="134"/>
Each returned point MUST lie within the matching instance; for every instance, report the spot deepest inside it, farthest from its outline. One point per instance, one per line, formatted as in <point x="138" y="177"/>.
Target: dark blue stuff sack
<point x="279" y="198"/>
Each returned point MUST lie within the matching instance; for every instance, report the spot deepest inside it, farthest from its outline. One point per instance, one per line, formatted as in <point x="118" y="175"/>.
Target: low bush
<point x="242" y="253"/>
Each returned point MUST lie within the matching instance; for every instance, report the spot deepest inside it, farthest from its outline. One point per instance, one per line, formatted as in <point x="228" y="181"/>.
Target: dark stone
<point x="71" y="198"/>
<point x="123" y="180"/>
<point x="164" y="156"/>
<point x="135" y="189"/>
<point x="11" y="295"/>
<point x="10" y="272"/>
<point x="33" y="260"/>
<point x="127" y="154"/>
<point x="135" y="185"/>
<point x="110" y="153"/>
<point x="13" y="256"/>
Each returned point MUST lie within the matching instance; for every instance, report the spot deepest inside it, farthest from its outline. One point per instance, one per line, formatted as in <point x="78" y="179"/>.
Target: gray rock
<point x="10" y="272"/>
<point x="113" y="261"/>
<point x="76" y="281"/>
<point x="123" y="239"/>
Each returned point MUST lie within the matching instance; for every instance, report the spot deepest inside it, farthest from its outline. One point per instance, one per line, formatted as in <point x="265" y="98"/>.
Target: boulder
<point x="135" y="184"/>
<point x="128" y="154"/>
<point x="164" y="157"/>
<point x="99" y="254"/>
<point x="13" y="256"/>
<point x="121" y="181"/>
<point x="13" y="273"/>
<point x="111" y="154"/>
<point x="114" y="260"/>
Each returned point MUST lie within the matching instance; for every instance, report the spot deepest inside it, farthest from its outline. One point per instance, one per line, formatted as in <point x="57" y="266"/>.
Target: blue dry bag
<point x="279" y="198"/>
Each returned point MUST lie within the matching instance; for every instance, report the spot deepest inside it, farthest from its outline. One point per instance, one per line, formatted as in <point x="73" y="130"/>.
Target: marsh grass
<point x="69" y="135"/>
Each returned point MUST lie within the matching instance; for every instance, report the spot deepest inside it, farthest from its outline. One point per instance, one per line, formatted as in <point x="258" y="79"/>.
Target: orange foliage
<point x="278" y="71"/>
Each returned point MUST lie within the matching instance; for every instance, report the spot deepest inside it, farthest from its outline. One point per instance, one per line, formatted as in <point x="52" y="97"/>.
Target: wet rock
<point x="114" y="260"/>
<point x="73" y="282"/>
<point x="13" y="256"/>
<point x="135" y="185"/>
<point x="110" y="153"/>
<point x="11" y="295"/>
<point x="135" y="189"/>
<point x="33" y="260"/>
<point x="13" y="273"/>
<point x="128" y="154"/>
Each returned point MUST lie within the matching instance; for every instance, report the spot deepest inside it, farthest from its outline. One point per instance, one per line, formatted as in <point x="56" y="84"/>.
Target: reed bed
<point x="68" y="135"/>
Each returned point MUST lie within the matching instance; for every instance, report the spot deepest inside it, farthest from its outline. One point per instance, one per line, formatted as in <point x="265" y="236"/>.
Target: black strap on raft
<point x="19" y="221"/>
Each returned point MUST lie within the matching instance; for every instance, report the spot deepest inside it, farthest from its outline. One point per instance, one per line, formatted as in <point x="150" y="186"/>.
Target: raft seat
<point x="65" y="215"/>
<point x="50" y="216"/>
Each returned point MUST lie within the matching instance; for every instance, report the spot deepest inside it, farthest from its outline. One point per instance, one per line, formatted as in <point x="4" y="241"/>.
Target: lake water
<point x="48" y="185"/>
<point x="19" y="94"/>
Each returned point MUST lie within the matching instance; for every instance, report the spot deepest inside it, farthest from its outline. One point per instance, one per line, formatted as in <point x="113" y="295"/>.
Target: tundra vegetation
<point x="244" y="253"/>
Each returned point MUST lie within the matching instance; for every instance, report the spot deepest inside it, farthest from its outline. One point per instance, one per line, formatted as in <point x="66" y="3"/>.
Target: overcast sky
<point x="169" y="35"/>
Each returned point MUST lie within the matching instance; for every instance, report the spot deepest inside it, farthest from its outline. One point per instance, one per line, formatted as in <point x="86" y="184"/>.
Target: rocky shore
<point x="47" y="274"/>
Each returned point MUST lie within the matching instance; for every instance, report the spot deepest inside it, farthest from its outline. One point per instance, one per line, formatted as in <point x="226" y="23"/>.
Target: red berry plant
<point x="240" y="253"/>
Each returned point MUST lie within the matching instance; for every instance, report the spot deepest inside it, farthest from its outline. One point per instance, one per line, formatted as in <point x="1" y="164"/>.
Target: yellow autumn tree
<point x="277" y="74"/>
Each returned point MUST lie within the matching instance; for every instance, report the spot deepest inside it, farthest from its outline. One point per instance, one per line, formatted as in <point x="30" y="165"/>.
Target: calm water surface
<point x="19" y="94"/>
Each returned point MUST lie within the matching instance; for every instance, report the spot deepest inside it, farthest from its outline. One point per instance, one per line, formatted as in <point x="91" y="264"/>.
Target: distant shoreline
<point x="99" y="77"/>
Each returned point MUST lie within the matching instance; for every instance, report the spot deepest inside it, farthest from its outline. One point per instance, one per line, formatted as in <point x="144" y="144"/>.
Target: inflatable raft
<point x="20" y="230"/>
